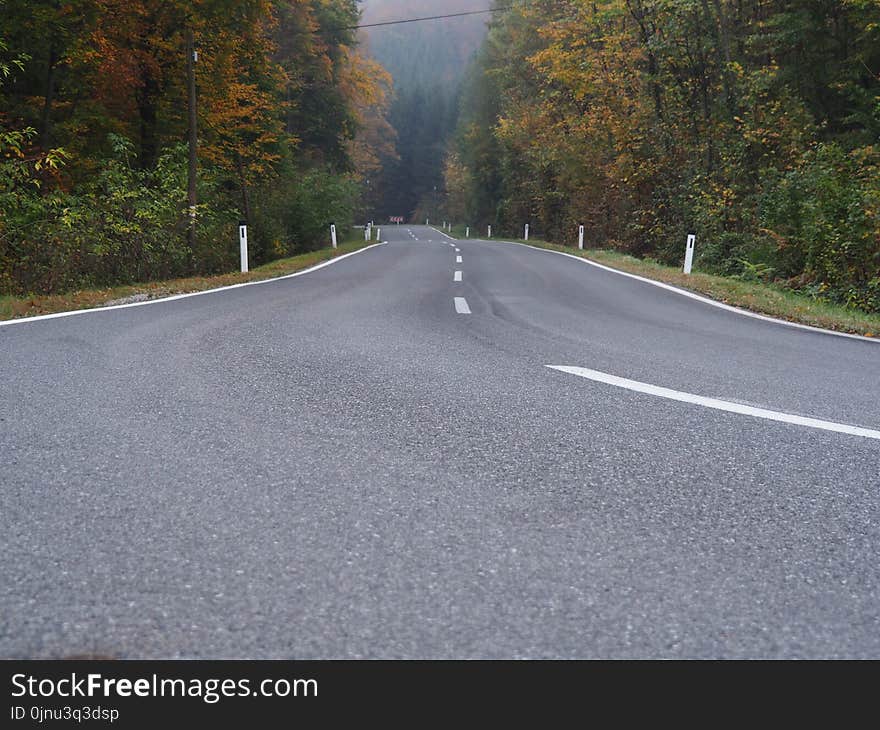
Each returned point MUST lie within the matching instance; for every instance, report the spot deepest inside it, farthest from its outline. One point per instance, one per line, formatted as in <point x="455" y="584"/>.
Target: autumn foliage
<point x="94" y="95"/>
<point x="754" y="125"/>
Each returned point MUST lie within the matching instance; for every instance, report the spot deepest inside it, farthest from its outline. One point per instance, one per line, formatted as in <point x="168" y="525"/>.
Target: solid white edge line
<point x="441" y="233"/>
<point x="163" y="300"/>
<point x="697" y="297"/>
<point x="457" y="276"/>
<point x="715" y="403"/>
<point x="461" y="306"/>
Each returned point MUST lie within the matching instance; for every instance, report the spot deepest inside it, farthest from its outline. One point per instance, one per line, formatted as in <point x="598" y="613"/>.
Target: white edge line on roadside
<point x="175" y="297"/>
<point x="442" y="233"/>
<point x="697" y="297"/>
<point x="715" y="403"/>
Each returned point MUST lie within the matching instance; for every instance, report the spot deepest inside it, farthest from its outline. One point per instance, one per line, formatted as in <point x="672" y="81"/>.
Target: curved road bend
<point x="375" y="460"/>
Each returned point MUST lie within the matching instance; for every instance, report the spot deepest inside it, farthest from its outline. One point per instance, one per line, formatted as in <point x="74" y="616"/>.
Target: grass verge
<point x="767" y="299"/>
<point x="16" y="307"/>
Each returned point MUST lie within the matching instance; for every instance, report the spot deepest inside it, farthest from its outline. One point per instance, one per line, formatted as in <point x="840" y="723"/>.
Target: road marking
<point x="457" y="276"/>
<point x="698" y="297"/>
<point x="458" y="259"/>
<point x="458" y="250"/>
<point x="719" y="405"/>
<point x="442" y="233"/>
<point x="59" y="315"/>
<point x="461" y="306"/>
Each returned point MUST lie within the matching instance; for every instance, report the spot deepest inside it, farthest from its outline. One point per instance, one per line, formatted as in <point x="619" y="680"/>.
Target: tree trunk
<point x="724" y="43"/>
<point x="46" y="115"/>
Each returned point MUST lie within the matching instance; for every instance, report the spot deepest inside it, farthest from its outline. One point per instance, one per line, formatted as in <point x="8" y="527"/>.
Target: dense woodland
<point x="427" y="62"/>
<point x="94" y="129"/>
<point x="753" y="123"/>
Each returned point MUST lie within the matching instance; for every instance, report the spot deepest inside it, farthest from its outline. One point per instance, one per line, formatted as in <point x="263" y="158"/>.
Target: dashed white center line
<point x="458" y="250"/>
<point x="458" y="259"/>
<point x="461" y="306"/>
<point x="457" y="276"/>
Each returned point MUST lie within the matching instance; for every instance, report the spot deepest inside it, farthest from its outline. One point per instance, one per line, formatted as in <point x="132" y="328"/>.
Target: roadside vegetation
<point x="13" y="307"/>
<point x="741" y="291"/>
<point x="752" y="124"/>
<point x="94" y="129"/>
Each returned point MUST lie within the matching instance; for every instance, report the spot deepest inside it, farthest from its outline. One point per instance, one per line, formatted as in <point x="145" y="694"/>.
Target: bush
<point x="124" y="226"/>
<point x="293" y="215"/>
<point x="824" y="217"/>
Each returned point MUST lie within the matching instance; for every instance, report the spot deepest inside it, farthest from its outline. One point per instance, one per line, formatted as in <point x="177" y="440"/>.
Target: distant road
<point x="375" y="460"/>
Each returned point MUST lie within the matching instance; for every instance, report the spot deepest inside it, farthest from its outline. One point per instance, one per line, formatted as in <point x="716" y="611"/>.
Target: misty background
<point x="428" y="62"/>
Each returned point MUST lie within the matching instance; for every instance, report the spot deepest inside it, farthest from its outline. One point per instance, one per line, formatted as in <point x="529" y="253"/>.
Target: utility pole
<point x="192" y="194"/>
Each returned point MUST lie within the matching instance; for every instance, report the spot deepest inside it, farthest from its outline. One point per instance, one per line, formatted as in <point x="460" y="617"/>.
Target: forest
<point x="754" y="124"/>
<point x="427" y="62"/>
<point x="95" y="187"/>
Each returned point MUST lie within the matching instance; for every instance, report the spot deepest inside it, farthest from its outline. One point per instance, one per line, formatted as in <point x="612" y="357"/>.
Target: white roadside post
<point x="467" y="232"/>
<point x="490" y="231"/>
<point x="581" y="238"/>
<point x="243" y="243"/>
<point x="527" y="232"/>
<point x="378" y="234"/>
<point x="689" y="254"/>
<point x="333" y="235"/>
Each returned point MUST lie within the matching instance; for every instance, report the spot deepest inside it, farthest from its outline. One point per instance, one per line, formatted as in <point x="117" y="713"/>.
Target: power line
<point x="431" y="17"/>
<point x="417" y="20"/>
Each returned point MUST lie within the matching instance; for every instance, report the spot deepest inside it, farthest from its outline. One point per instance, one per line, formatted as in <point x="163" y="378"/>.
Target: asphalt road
<point x="343" y="465"/>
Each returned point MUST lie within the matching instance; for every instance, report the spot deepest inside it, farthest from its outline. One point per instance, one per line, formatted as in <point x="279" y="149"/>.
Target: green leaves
<point x="754" y="125"/>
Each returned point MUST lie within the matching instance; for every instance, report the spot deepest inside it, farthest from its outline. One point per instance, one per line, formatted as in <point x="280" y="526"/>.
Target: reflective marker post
<point x="243" y="242"/>
<point x="333" y="235"/>
<point x="689" y="254"/>
<point x="581" y="237"/>
<point x="527" y="232"/>
<point x="490" y="231"/>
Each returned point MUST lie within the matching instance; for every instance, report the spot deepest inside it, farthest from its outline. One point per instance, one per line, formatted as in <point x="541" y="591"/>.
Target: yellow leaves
<point x="363" y="81"/>
<point x="366" y="86"/>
